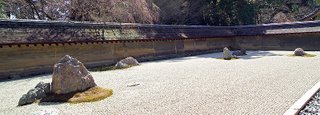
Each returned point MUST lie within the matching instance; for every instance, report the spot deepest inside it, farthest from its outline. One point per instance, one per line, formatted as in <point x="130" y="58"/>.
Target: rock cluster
<point x="227" y="54"/>
<point x="40" y="91"/>
<point x="299" y="52"/>
<point x="127" y="62"/>
<point x="70" y="75"/>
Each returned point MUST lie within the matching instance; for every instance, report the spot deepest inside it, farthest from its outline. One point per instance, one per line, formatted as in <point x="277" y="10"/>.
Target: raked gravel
<point x="263" y="82"/>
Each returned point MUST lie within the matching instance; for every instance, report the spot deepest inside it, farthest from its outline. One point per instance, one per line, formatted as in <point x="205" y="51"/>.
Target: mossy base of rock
<point x="234" y="58"/>
<point x="90" y="95"/>
<point x="305" y="55"/>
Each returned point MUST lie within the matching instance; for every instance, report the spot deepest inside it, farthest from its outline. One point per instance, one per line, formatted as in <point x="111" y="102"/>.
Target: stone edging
<point x="298" y="105"/>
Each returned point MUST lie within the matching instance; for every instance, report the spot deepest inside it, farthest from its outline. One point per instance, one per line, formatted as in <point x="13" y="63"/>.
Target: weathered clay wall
<point x="31" y="59"/>
<point x="32" y="47"/>
<point x="307" y="41"/>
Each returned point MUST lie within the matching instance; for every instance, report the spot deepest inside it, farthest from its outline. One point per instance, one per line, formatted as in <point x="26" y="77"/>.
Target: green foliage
<point x="318" y="2"/>
<point x="313" y="2"/>
<point x="2" y="13"/>
<point x="230" y="12"/>
<point x="317" y="18"/>
<point x="295" y="8"/>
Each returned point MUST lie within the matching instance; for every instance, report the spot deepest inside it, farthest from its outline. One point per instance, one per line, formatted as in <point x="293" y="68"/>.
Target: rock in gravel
<point x="121" y="65"/>
<point x="240" y="52"/>
<point x="299" y="52"/>
<point x="227" y="54"/>
<point x="44" y="86"/>
<point x="133" y="84"/>
<point x="32" y="96"/>
<point x="70" y="75"/>
<point x="127" y="62"/>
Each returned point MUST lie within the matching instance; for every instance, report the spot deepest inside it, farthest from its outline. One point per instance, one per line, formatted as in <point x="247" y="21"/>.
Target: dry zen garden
<point x="229" y="82"/>
<point x="159" y="57"/>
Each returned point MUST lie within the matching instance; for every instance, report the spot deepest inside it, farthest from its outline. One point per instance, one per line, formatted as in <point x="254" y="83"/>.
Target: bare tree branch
<point x="311" y="15"/>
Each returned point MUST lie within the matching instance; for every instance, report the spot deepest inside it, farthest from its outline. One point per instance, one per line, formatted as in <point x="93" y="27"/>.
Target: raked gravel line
<point x="264" y="82"/>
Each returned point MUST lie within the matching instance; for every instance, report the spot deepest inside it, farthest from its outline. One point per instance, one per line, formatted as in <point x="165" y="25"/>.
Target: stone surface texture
<point x="127" y="62"/>
<point x="44" y="86"/>
<point x="70" y="75"/>
<point x="227" y="54"/>
<point x="32" y="95"/>
<point x="299" y="52"/>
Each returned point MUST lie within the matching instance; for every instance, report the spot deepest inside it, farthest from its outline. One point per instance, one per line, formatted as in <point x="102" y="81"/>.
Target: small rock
<point x="227" y="55"/>
<point x="124" y="63"/>
<point x="32" y="96"/>
<point x="25" y="100"/>
<point x="121" y="65"/>
<point x="240" y="52"/>
<point x="299" y="52"/>
<point x="36" y="93"/>
<point x="44" y="86"/>
<point x="133" y="84"/>
<point x="70" y="75"/>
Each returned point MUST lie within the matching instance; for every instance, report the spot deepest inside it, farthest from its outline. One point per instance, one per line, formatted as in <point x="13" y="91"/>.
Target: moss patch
<point x="305" y="55"/>
<point x="234" y="58"/>
<point x="90" y="95"/>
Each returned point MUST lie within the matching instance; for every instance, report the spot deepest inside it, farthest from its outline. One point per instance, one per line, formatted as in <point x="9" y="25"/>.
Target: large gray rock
<point x="227" y="54"/>
<point x="240" y="52"/>
<point x="32" y="96"/>
<point x="70" y="75"/>
<point x="299" y="52"/>
<point x="127" y="62"/>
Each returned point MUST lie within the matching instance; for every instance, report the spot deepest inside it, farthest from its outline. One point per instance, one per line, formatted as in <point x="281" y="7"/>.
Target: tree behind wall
<point x="2" y="13"/>
<point x="230" y="12"/>
<point x="131" y="11"/>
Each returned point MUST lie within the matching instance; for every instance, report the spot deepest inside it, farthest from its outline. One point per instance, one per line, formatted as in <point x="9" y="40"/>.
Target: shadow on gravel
<point x="40" y="77"/>
<point x="50" y="103"/>
<point x="250" y="55"/>
<point x="258" y="54"/>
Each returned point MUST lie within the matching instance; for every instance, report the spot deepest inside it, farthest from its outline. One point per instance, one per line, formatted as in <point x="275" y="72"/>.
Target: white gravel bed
<point x="263" y="82"/>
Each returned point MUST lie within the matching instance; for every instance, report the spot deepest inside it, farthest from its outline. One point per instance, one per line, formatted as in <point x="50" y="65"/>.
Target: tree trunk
<point x="312" y="15"/>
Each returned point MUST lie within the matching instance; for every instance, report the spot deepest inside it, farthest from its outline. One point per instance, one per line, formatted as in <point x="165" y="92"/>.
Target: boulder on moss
<point x="90" y="95"/>
<point x="70" y="75"/>
<point x="227" y="54"/>
<point x="299" y="52"/>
